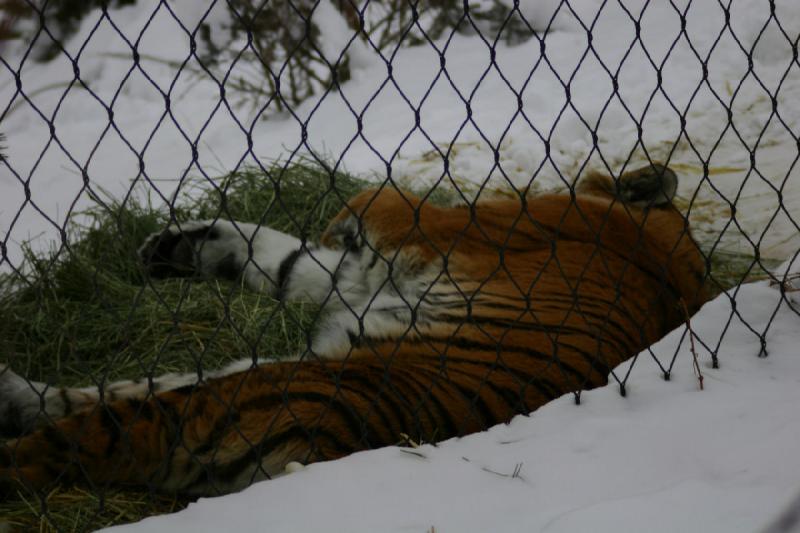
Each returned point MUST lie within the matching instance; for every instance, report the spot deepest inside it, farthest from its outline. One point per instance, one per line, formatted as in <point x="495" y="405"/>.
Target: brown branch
<point x="697" y="371"/>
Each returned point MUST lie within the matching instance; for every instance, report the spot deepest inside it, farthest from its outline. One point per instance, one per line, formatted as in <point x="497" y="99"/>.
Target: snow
<point x="667" y="457"/>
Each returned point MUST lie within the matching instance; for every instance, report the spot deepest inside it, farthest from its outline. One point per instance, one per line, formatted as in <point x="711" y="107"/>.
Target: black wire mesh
<point x="97" y="309"/>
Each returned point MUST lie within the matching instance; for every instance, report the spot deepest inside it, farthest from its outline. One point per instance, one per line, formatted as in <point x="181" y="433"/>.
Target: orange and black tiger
<point x="438" y="322"/>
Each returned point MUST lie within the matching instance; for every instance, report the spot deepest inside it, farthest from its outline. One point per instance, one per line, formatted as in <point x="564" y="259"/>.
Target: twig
<point x="412" y="452"/>
<point x="691" y="341"/>
<point x="514" y="475"/>
<point x="408" y="441"/>
<point x="788" y="284"/>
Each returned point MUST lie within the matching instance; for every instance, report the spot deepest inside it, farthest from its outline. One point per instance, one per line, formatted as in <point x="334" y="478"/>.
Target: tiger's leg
<point x="267" y="260"/>
<point x="228" y="432"/>
<point x="26" y="405"/>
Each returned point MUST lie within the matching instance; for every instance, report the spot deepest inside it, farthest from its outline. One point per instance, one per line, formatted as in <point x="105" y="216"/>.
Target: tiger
<point x="437" y="322"/>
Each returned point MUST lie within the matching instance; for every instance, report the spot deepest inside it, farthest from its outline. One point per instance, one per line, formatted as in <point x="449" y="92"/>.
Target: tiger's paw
<point x="195" y="248"/>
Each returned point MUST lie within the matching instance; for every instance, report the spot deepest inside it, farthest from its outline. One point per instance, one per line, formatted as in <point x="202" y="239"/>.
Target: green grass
<point x="87" y="313"/>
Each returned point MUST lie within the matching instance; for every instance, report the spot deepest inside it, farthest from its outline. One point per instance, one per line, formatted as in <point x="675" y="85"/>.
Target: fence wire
<point x="191" y="333"/>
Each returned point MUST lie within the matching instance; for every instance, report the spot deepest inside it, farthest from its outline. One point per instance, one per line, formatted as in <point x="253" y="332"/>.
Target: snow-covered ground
<point x="667" y="457"/>
<point x="90" y="153"/>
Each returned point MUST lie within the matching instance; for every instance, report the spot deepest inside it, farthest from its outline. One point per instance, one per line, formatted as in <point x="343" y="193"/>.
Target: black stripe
<point x="557" y="234"/>
<point x="284" y="272"/>
<point x="266" y="401"/>
<point x="217" y="433"/>
<point x="56" y="438"/>
<point x="11" y="422"/>
<point x="500" y="347"/>
<point x="467" y="344"/>
<point x="67" y="403"/>
<point x="57" y="472"/>
<point x="228" y="268"/>
<point x="382" y="395"/>
<point x="515" y="402"/>
<point x="410" y="422"/>
<point x="515" y="399"/>
<point x="485" y="416"/>
<point x="374" y="407"/>
<point x="172" y="420"/>
<point x="142" y="408"/>
<point x="548" y="388"/>
<point x="489" y="417"/>
<point x="577" y="309"/>
<point x="547" y="233"/>
<point x="374" y="260"/>
<point x="444" y="422"/>
<point x="228" y="472"/>
<point x="109" y="418"/>
<point x="500" y="245"/>
<point x="550" y="329"/>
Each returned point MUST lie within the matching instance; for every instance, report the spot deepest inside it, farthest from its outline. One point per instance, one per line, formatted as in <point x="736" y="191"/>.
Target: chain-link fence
<point x="241" y="235"/>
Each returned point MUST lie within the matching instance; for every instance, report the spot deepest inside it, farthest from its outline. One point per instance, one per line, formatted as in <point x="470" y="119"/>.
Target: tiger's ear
<point x="652" y="186"/>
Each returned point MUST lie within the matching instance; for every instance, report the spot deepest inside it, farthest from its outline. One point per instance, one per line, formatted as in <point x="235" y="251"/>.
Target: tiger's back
<point x="439" y="322"/>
